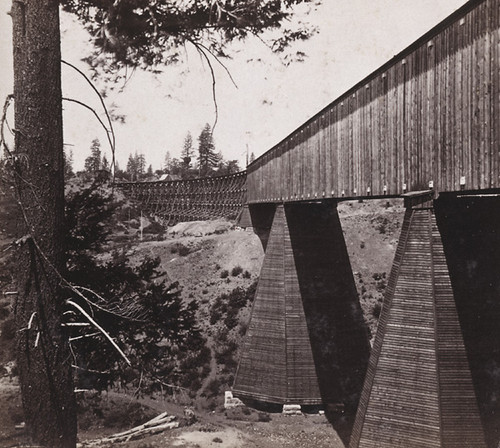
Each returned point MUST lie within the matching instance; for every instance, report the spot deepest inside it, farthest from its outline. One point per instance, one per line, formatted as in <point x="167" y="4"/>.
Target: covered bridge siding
<point x="429" y="114"/>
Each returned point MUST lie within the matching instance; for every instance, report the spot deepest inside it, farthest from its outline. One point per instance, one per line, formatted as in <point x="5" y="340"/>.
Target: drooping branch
<point x="3" y="121"/>
<point x="110" y="122"/>
<point x="102" y="330"/>
<point x="108" y="132"/>
<point x="203" y="54"/>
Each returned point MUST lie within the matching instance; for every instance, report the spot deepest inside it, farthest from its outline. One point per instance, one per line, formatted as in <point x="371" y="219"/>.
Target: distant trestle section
<point x="427" y="118"/>
<point x="190" y="200"/>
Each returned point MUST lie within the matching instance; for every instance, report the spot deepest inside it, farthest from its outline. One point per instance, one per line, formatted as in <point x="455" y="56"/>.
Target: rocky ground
<point x="209" y="259"/>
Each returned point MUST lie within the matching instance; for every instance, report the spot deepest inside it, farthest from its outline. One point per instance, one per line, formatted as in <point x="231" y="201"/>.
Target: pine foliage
<point x="134" y="302"/>
<point x="141" y="33"/>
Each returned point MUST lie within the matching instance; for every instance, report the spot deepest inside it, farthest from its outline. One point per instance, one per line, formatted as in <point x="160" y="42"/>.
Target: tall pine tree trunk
<point x="44" y="358"/>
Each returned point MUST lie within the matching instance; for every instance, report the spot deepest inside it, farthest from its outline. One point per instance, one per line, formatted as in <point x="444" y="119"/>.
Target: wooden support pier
<point x="306" y="342"/>
<point x="418" y="390"/>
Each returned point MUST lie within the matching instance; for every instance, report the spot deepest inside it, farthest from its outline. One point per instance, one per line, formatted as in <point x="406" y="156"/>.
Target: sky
<point x="270" y="99"/>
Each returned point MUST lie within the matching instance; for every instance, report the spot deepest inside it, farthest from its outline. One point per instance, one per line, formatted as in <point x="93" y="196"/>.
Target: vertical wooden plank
<point x="430" y="145"/>
<point x="459" y="105"/>
<point x="305" y="164"/>
<point x="485" y="96"/>
<point x="494" y="12"/>
<point x="315" y="138"/>
<point x="329" y="151"/>
<point x="325" y="129"/>
<point x="335" y="149"/>
<point x="450" y="121"/>
<point x="469" y="91"/>
<point x="392" y="179"/>
<point x="476" y="125"/>
<point x="356" y="150"/>
<point x="295" y="167"/>
<point x="371" y="169"/>
<point x="376" y="118"/>
<point x="400" y="148"/>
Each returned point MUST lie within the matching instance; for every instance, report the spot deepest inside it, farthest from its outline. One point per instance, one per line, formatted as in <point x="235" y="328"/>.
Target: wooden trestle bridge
<point x="190" y="200"/>
<point x="426" y="127"/>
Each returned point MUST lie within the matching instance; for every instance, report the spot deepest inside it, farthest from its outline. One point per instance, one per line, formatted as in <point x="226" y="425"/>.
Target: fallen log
<point x="158" y="424"/>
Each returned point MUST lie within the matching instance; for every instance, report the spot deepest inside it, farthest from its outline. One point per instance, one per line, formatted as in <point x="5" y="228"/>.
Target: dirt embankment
<point x="211" y="259"/>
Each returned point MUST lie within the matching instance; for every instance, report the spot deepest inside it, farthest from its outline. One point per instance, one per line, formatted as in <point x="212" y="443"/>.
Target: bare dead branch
<point x="108" y="132"/>
<point x="84" y="336"/>
<point x="217" y="59"/>
<point x="3" y="120"/>
<point x="202" y="53"/>
<point x="113" y="139"/>
<point x="102" y="330"/>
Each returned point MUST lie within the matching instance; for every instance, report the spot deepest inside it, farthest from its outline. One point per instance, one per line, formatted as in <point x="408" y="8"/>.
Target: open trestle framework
<point x="190" y="200"/>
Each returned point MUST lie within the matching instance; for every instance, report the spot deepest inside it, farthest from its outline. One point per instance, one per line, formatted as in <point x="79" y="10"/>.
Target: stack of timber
<point x="158" y="424"/>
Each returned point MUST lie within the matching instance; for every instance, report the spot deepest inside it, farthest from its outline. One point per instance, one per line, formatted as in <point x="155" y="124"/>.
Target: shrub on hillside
<point x="376" y="309"/>
<point x="380" y="281"/>
<point x="225" y="355"/>
<point x="181" y="249"/>
<point x="227" y="306"/>
<point x="231" y="319"/>
<point x="213" y="388"/>
<point x="154" y="228"/>
<point x="237" y="270"/>
<point x="224" y="273"/>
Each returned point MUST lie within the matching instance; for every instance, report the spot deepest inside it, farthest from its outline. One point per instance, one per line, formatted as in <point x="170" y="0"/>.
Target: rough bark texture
<point x="43" y="353"/>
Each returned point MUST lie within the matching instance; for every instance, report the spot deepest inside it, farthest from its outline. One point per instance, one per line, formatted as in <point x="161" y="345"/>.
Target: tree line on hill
<point x="202" y="161"/>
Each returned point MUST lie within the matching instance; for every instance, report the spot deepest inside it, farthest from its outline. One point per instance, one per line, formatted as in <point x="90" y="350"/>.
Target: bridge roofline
<point x="197" y="179"/>
<point x="428" y="36"/>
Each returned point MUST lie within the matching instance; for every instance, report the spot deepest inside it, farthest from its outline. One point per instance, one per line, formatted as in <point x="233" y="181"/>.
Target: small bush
<point x="225" y="355"/>
<point x="231" y="319"/>
<point x="224" y="273"/>
<point x="377" y="308"/>
<point x="381" y="224"/>
<point x="237" y="270"/>
<point x="264" y="417"/>
<point x="243" y="328"/>
<point x="155" y="228"/>
<point x="181" y="249"/>
<point x="213" y="388"/>
<point x="246" y="274"/>
<point x="215" y="316"/>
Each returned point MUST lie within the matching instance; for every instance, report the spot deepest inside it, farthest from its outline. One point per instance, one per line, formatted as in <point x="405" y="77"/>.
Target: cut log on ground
<point x="158" y="424"/>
